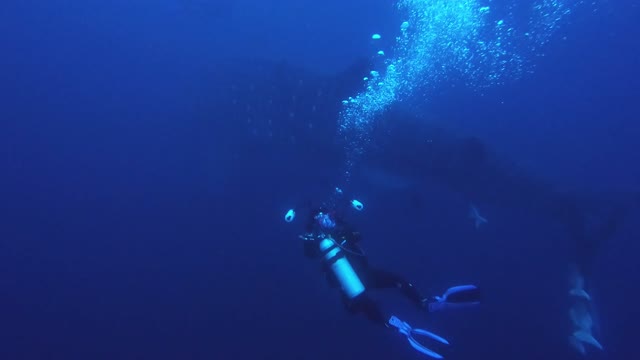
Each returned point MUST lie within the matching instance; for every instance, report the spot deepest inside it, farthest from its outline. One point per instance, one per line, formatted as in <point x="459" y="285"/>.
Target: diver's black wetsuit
<point x="371" y="277"/>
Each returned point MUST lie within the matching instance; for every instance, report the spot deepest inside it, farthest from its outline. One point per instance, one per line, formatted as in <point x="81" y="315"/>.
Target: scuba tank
<point x="341" y="268"/>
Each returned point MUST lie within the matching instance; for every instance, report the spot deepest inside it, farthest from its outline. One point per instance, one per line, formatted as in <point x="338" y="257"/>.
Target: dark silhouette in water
<point x="467" y="166"/>
<point x="407" y="145"/>
<point x="278" y="110"/>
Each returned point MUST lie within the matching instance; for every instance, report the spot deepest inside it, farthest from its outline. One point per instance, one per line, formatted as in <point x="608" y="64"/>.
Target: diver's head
<point x="325" y="220"/>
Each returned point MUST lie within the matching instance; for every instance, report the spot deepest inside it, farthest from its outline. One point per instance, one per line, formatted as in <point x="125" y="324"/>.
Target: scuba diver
<point x="330" y="238"/>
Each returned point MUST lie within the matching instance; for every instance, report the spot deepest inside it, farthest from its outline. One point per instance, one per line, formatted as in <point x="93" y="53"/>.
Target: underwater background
<point x="150" y="149"/>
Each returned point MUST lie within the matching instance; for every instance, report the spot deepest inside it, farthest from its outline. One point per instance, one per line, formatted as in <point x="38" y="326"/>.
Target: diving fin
<point x="577" y="288"/>
<point x="585" y="336"/>
<point x="580" y="293"/>
<point x="456" y="297"/>
<point x="410" y="332"/>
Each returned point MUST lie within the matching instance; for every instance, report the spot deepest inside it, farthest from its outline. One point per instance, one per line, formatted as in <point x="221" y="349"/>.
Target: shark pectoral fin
<point x="580" y="293"/>
<point x="587" y="338"/>
<point x="577" y="345"/>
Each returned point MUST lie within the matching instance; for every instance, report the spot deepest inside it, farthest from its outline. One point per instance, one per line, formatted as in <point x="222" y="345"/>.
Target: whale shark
<point x="284" y="119"/>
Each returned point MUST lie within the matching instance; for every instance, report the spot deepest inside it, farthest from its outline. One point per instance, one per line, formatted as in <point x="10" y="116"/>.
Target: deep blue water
<point x="141" y="210"/>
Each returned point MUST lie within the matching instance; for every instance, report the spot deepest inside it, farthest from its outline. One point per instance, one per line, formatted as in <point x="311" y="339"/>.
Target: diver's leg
<point x="382" y="279"/>
<point x="368" y="307"/>
<point x="363" y="303"/>
<point x="454" y="297"/>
